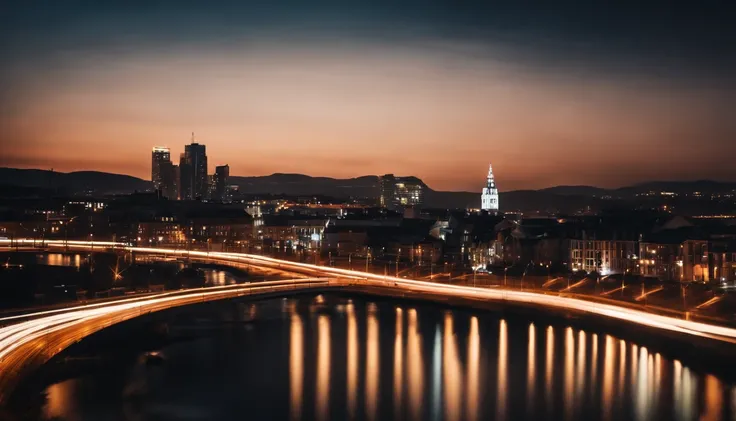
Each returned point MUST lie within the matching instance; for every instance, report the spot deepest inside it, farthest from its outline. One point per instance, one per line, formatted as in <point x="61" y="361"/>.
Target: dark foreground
<point x="335" y="358"/>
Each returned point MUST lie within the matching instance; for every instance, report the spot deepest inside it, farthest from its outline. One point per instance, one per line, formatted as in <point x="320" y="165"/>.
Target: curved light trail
<point x="525" y="297"/>
<point x="37" y="340"/>
<point x="44" y="324"/>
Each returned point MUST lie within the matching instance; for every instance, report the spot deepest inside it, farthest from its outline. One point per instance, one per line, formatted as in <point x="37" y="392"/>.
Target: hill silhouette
<point x="553" y="199"/>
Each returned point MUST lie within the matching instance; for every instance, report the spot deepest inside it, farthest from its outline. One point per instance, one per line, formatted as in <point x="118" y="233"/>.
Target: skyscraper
<point x="220" y="180"/>
<point x="185" y="179"/>
<point x="193" y="172"/>
<point x="164" y="173"/>
<point x="196" y="157"/>
<point x="169" y="180"/>
<point x="159" y="157"/>
<point x="489" y="197"/>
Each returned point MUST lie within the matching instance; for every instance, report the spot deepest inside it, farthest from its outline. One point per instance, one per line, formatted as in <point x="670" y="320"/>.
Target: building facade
<point x="170" y="181"/>
<point x="160" y="156"/>
<point x="219" y="182"/>
<point x="606" y="257"/>
<point x="400" y="192"/>
<point x="186" y="189"/>
<point x="386" y="184"/>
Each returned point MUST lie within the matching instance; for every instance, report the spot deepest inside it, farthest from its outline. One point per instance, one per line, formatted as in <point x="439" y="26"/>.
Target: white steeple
<point x="489" y="197"/>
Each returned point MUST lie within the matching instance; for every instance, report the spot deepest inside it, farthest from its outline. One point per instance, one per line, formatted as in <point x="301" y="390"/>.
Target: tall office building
<point x="193" y="172"/>
<point x="219" y="182"/>
<point x="186" y="190"/>
<point x="164" y="173"/>
<point x="489" y="196"/>
<point x="196" y="157"/>
<point x="401" y="192"/>
<point x="170" y="180"/>
<point x="159" y="157"/>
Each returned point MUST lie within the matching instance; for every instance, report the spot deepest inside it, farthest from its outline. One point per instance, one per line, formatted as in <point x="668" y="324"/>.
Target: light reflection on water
<point x="323" y="369"/>
<point x="381" y="362"/>
<point x="60" y="401"/>
<point x="59" y="259"/>
<point x="501" y="390"/>
<point x="531" y="367"/>
<point x="451" y="371"/>
<point x="415" y="366"/>
<point x="372" y="367"/>
<point x="549" y="367"/>
<point x="473" y="387"/>
<point x="568" y="398"/>
<point x="398" y="364"/>
<point x="296" y="365"/>
<point x="352" y="368"/>
<point x="218" y="277"/>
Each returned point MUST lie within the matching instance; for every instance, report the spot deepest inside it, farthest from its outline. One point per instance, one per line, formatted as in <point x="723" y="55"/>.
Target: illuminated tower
<point x="159" y="157"/>
<point x="489" y="197"/>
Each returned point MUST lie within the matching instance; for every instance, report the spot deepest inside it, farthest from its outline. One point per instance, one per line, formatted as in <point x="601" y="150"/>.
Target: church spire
<point x="491" y="182"/>
<point x="489" y="196"/>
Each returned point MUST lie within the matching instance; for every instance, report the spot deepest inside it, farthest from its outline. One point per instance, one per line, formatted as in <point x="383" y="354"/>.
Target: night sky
<point x="552" y="93"/>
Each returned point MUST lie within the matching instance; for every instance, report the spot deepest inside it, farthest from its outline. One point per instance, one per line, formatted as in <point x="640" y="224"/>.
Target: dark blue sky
<point x="663" y="72"/>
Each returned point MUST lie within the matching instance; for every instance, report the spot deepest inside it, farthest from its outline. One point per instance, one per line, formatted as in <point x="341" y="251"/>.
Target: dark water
<point x="329" y="358"/>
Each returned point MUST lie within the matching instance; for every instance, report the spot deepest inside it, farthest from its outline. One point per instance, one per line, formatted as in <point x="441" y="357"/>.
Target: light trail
<point x="37" y="340"/>
<point x="15" y="338"/>
<point x="575" y="285"/>
<point x="645" y="294"/>
<point x="11" y="337"/>
<point x="709" y="303"/>
<point x="613" y="290"/>
<point x="524" y="297"/>
<point x="550" y="282"/>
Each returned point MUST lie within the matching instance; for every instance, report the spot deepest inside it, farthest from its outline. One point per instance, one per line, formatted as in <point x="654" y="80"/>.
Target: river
<point x="338" y="358"/>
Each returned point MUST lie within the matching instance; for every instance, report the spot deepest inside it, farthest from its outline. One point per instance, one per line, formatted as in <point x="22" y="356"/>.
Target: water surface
<point x="330" y="358"/>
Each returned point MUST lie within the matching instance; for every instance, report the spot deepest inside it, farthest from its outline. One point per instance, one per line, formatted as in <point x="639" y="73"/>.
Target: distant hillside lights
<point x="489" y="196"/>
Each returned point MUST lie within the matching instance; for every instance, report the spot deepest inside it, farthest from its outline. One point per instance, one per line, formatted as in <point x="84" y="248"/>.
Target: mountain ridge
<point x="555" y="197"/>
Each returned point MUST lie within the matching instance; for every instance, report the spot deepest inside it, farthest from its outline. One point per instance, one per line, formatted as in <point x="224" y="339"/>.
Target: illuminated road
<point x="49" y="332"/>
<point x="401" y="284"/>
<point x="32" y="342"/>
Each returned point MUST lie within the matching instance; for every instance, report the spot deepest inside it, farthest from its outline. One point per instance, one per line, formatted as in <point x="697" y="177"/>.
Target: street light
<point x="398" y="256"/>
<point x="66" y="232"/>
<point x="431" y="264"/>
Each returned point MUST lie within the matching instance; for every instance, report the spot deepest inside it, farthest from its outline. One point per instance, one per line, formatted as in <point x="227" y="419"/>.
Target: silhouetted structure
<point x="219" y="181"/>
<point x="193" y="169"/>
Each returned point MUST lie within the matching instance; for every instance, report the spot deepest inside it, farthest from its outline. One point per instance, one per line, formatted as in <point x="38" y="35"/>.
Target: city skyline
<point x="379" y="210"/>
<point x="348" y="90"/>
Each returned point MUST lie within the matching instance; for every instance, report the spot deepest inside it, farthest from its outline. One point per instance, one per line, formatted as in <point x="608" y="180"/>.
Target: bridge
<point x="30" y="339"/>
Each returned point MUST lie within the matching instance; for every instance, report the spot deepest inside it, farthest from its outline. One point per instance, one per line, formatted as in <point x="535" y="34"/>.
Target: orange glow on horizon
<point x="346" y="113"/>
